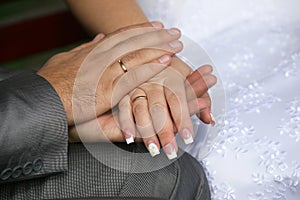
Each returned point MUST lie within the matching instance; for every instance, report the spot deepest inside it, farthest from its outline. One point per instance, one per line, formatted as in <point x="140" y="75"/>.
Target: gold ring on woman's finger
<point x="139" y="97"/>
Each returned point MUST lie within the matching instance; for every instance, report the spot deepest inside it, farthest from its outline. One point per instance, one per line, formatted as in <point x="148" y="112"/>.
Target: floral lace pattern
<point x="256" y="50"/>
<point x="289" y="65"/>
<point x="291" y="126"/>
<point x="252" y="99"/>
<point x="274" y="171"/>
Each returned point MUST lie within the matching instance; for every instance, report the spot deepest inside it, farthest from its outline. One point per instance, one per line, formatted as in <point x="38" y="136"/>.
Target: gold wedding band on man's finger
<point x="123" y="67"/>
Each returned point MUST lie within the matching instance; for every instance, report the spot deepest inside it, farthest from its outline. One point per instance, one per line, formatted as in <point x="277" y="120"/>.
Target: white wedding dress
<point x="255" y="48"/>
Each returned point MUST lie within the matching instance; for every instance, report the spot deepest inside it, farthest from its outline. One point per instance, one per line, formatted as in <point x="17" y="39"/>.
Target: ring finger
<point x="161" y="118"/>
<point x="143" y="121"/>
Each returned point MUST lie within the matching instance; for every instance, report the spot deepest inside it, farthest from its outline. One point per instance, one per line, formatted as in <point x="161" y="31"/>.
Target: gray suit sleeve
<point x="33" y="129"/>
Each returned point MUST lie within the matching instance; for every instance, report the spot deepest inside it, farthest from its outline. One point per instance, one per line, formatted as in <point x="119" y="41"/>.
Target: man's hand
<point x="90" y="81"/>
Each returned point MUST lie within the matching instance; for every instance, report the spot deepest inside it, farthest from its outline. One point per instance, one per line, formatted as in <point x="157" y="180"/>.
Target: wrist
<point x="61" y="93"/>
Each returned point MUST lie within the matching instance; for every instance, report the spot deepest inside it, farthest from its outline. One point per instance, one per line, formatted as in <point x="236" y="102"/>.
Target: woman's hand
<point x="109" y="121"/>
<point x="163" y="106"/>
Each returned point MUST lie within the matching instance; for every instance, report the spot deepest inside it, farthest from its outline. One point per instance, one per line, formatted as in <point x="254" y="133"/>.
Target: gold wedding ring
<point x="124" y="68"/>
<point x="139" y="97"/>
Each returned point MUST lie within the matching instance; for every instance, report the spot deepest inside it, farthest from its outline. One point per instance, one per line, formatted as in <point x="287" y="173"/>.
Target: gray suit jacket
<point x="36" y="161"/>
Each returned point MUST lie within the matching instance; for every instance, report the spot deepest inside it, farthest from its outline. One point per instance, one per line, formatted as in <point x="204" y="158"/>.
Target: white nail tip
<point x="172" y="155"/>
<point x="213" y="119"/>
<point x="153" y="149"/>
<point x="189" y="140"/>
<point x="130" y="140"/>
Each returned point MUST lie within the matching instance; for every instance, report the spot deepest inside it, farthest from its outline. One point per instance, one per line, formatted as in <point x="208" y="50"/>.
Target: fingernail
<point x="175" y="44"/>
<point x="153" y="149"/>
<point x="128" y="137"/>
<point x="173" y="31"/>
<point x="210" y="81"/>
<point x="187" y="136"/>
<point x="99" y="36"/>
<point x="156" y="24"/>
<point x="130" y="140"/>
<point x="164" y="59"/>
<point x="213" y="121"/>
<point x="170" y="151"/>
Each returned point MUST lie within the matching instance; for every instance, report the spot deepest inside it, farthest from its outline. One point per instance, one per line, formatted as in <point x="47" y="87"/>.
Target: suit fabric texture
<point x="36" y="161"/>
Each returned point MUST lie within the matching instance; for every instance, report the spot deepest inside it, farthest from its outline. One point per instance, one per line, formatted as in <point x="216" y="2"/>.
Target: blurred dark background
<point x="31" y="31"/>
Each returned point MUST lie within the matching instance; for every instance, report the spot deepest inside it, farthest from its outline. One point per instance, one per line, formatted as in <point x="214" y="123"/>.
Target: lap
<point x="87" y="177"/>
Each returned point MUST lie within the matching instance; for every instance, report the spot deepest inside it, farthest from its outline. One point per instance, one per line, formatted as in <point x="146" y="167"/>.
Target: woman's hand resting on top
<point x="162" y="106"/>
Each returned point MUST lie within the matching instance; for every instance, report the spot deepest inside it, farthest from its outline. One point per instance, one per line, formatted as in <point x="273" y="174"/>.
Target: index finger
<point x="130" y="31"/>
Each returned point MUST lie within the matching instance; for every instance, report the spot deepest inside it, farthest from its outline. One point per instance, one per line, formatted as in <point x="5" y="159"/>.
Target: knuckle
<point x="132" y="56"/>
<point x="133" y="77"/>
<point x="157" y="107"/>
<point x="139" y="108"/>
<point x="128" y="80"/>
<point x="124" y="123"/>
<point x="153" y="88"/>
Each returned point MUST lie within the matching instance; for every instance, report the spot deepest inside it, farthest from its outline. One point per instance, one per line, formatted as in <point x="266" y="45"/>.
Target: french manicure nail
<point x="187" y="136"/>
<point x="130" y="140"/>
<point x="128" y="137"/>
<point x="153" y="149"/>
<point x="170" y="151"/>
<point x="175" y="44"/>
<point x="213" y="121"/>
<point x="173" y="31"/>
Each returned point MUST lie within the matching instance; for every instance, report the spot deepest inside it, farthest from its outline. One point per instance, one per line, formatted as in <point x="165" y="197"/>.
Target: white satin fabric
<point x="255" y="46"/>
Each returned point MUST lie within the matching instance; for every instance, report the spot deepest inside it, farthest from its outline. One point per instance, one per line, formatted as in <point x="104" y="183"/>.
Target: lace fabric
<point x="255" y="49"/>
